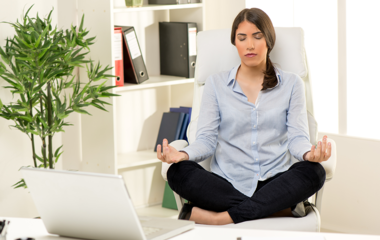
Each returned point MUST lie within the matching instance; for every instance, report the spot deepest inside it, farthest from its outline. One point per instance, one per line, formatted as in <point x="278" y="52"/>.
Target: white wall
<point x="220" y="14"/>
<point x="15" y="147"/>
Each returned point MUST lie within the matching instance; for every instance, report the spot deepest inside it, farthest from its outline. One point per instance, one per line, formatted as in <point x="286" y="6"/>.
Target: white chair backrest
<point x="217" y="54"/>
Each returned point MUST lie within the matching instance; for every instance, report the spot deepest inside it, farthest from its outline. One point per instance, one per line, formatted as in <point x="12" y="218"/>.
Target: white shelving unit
<point x="155" y="81"/>
<point x="153" y="7"/>
<point x="121" y="141"/>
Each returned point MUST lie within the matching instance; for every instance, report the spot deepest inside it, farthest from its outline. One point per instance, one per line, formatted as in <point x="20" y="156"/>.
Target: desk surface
<point x="24" y="227"/>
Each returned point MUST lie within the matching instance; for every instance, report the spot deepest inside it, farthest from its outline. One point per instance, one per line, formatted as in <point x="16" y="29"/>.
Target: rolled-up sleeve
<point x="298" y="129"/>
<point x="208" y="125"/>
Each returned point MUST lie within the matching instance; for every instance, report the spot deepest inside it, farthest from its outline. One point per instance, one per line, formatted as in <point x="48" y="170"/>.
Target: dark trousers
<point x="211" y="192"/>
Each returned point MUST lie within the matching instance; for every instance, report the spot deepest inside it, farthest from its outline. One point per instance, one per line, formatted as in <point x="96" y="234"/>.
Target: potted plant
<point x="38" y="63"/>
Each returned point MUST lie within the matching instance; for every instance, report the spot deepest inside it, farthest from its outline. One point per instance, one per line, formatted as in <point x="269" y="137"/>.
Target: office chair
<point x="216" y="54"/>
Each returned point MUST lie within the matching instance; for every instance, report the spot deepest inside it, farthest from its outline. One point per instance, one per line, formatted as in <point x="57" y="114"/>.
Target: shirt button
<point x="254" y="126"/>
<point x="257" y="159"/>
<point x="254" y="142"/>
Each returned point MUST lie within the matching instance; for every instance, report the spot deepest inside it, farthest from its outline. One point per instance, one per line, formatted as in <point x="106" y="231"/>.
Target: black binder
<point x="134" y="66"/>
<point x="178" y="48"/>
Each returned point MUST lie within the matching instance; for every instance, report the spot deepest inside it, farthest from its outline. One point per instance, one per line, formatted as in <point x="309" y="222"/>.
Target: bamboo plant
<point x="38" y="63"/>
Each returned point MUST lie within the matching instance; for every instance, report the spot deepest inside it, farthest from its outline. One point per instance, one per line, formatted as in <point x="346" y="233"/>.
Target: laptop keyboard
<point x="150" y="230"/>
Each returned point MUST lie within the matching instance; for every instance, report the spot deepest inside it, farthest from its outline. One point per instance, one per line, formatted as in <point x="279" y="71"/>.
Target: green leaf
<point x="26" y="118"/>
<point x="53" y="32"/>
<point x="101" y="102"/>
<point x="56" y="159"/>
<point x="107" y="94"/>
<point x="98" y="106"/>
<point x="78" y="110"/>
<point x="43" y="122"/>
<point x="57" y="151"/>
<point x="21" y="41"/>
<point x="1" y="105"/>
<point x="38" y="88"/>
<point x="89" y="40"/>
<point x="39" y="158"/>
<point x="33" y="132"/>
<point x="42" y="53"/>
<point x="50" y="14"/>
<point x="100" y="86"/>
<point x="20" y="184"/>
<point x="41" y="36"/>
<point x="4" y="56"/>
<point x="26" y="14"/>
<point x="81" y="24"/>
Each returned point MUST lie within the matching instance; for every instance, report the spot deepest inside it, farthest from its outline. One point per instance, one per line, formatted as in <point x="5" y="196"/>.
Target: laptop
<point x="93" y="206"/>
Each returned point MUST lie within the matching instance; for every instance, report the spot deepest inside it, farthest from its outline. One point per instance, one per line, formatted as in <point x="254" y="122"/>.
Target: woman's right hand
<point x="170" y="154"/>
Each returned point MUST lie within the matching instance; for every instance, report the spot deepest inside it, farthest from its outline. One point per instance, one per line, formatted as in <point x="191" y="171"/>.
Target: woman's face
<point x="251" y="45"/>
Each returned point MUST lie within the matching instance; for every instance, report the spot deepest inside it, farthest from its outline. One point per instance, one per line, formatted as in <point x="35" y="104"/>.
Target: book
<point x="190" y="110"/>
<point x="170" y="127"/>
<point x="186" y="121"/>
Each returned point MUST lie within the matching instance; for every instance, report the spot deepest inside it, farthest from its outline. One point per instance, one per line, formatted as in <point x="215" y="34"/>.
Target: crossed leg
<point x="218" y="202"/>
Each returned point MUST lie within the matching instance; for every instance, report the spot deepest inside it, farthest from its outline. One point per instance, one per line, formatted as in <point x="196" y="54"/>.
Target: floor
<point x="158" y="211"/>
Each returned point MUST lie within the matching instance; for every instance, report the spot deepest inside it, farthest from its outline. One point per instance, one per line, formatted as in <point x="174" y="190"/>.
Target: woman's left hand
<point x="321" y="153"/>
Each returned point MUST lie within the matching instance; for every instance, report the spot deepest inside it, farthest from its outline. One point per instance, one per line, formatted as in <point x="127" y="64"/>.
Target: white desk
<point x="24" y="227"/>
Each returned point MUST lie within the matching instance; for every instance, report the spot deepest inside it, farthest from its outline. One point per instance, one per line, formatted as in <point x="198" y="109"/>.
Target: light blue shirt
<point x="251" y="142"/>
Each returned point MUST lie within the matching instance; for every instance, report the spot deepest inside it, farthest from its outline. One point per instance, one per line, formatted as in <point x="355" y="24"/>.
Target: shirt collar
<point x="232" y="76"/>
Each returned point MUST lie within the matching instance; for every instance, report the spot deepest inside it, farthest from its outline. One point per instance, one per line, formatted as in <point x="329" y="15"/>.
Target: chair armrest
<point x="330" y="164"/>
<point x="178" y="144"/>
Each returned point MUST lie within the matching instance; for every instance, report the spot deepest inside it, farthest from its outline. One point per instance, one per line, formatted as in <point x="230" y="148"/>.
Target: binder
<point x="118" y="56"/>
<point x="170" y="127"/>
<point x="178" y="48"/>
<point x="134" y="66"/>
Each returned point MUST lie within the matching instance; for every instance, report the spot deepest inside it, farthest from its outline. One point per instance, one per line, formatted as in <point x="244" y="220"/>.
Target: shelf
<point x="137" y="159"/>
<point x="155" y="81"/>
<point x="153" y="7"/>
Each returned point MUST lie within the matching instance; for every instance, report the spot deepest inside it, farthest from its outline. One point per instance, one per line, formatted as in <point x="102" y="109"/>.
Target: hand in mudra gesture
<point x="170" y="154"/>
<point x="321" y="153"/>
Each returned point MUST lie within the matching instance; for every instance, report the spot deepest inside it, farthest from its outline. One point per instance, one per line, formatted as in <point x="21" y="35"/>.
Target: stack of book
<point x="173" y="127"/>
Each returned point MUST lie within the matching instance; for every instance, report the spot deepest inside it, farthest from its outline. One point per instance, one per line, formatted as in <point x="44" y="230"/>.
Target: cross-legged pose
<point x="253" y="122"/>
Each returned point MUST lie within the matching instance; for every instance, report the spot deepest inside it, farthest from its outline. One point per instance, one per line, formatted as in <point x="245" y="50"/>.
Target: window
<point x="363" y="80"/>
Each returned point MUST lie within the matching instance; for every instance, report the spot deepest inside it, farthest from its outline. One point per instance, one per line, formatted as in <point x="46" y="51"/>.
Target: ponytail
<point x="270" y="78"/>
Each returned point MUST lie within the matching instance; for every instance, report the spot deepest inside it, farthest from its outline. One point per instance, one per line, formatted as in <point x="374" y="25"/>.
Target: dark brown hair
<point x="264" y="24"/>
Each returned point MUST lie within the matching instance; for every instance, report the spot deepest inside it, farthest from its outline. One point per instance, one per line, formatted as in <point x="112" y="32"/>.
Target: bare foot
<point x="202" y="216"/>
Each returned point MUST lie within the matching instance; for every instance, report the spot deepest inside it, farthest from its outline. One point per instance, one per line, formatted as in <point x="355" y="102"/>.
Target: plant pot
<point x="133" y="3"/>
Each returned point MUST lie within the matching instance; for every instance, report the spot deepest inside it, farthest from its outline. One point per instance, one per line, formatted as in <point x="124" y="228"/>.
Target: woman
<point x="253" y="121"/>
